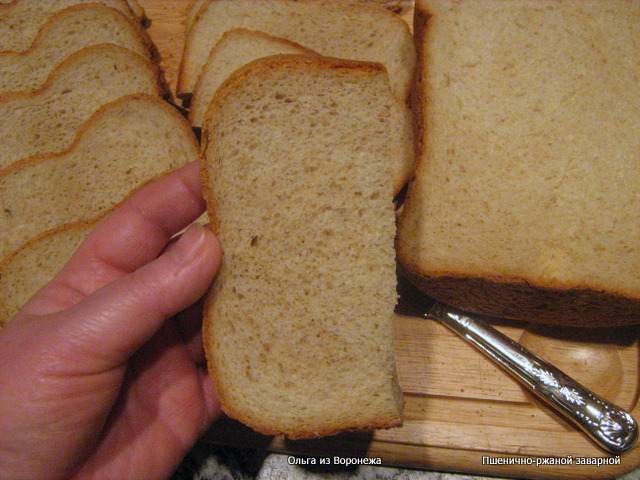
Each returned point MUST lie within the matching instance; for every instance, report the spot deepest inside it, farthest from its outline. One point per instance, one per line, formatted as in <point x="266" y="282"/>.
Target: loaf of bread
<point x="297" y="175"/>
<point x="123" y="145"/>
<point x="525" y="201"/>
<point x="31" y="267"/>
<point x="236" y="48"/>
<point x="348" y="30"/>
<point x="21" y="20"/>
<point x="67" y="32"/>
<point x="48" y="119"/>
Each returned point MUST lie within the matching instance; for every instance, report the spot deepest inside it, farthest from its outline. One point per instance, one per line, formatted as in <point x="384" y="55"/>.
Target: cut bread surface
<point x="123" y="145"/>
<point x="347" y="30"/>
<point x="48" y="119"/>
<point x="239" y="47"/>
<point x="65" y="33"/>
<point x="525" y="200"/>
<point x="396" y="6"/>
<point x="298" y="323"/>
<point x="235" y="49"/>
<point x="21" y="20"/>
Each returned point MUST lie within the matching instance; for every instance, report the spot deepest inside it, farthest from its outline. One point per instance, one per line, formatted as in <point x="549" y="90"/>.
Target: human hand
<point x="100" y="375"/>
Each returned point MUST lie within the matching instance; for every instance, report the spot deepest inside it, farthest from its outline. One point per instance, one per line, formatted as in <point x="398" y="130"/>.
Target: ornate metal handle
<point x="608" y="425"/>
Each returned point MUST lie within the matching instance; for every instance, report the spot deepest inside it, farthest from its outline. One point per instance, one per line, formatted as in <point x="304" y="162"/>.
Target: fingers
<point x="132" y="235"/>
<point x="108" y="326"/>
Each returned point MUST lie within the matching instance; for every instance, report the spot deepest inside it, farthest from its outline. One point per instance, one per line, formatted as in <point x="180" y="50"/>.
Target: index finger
<point x="132" y="235"/>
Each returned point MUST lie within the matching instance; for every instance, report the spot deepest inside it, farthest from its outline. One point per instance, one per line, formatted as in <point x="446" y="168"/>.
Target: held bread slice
<point x="236" y="48"/>
<point x="21" y="20"/>
<point x="67" y="32"/>
<point x="123" y="145"/>
<point x="27" y="270"/>
<point x="526" y="200"/>
<point x="297" y="173"/>
<point x="48" y="119"/>
<point x="347" y="30"/>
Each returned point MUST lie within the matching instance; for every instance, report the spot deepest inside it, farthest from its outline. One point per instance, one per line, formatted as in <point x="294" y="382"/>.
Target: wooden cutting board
<point x="462" y="413"/>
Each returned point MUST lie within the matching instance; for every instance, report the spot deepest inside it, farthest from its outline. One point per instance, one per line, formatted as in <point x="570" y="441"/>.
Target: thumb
<point x="109" y="325"/>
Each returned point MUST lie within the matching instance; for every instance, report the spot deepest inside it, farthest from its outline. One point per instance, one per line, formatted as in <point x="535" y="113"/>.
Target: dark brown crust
<point x="520" y="300"/>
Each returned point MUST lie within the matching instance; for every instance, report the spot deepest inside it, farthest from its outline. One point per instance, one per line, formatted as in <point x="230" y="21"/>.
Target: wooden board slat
<point x="460" y="408"/>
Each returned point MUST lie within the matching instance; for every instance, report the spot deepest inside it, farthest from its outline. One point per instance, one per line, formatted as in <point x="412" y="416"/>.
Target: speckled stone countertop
<point x="213" y="462"/>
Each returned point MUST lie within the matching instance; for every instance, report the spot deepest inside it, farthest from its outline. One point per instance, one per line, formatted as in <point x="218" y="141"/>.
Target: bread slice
<point x="350" y="30"/>
<point x="67" y="32"/>
<point x="525" y="202"/>
<point x="27" y="270"/>
<point x="48" y="119"/>
<point x="240" y="46"/>
<point x="397" y="6"/>
<point x="124" y="144"/>
<point x="236" y="48"/>
<point x="297" y="174"/>
<point x="138" y="10"/>
<point x="21" y="20"/>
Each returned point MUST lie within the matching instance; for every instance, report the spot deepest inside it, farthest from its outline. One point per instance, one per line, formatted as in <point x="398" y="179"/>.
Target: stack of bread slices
<point x="84" y="120"/>
<point x="306" y="139"/>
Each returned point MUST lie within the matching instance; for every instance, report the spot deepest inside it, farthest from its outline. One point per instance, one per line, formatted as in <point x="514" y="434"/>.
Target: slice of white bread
<point x="21" y="20"/>
<point x="348" y="30"/>
<point x="298" y="325"/>
<point x="27" y="270"/>
<point x="67" y="32"/>
<point x="397" y="6"/>
<point x="240" y="46"/>
<point x="124" y="144"/>
<point x="525" y="202"/>
<point x="48" y="119"/>
<point x="236" y="48"/>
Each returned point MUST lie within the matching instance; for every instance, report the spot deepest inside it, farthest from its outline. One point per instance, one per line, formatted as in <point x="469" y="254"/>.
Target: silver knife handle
<point x="608" y="425"/>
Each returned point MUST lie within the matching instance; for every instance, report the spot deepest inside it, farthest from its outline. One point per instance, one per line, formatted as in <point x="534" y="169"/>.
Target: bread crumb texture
<point x="21" y="21"/>
<point x="47" y="120"/>
<point x="299" y="322"/>
<point x="529" y="161"/>
<point x="124" y="144"/>
<point x="340" y="29"/>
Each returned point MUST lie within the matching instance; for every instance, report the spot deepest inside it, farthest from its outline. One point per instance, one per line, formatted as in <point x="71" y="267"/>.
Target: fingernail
<point x="189" y="244"/>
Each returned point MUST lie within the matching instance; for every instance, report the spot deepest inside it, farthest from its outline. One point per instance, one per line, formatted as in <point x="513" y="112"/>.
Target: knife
<point x="607" y="425"/>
